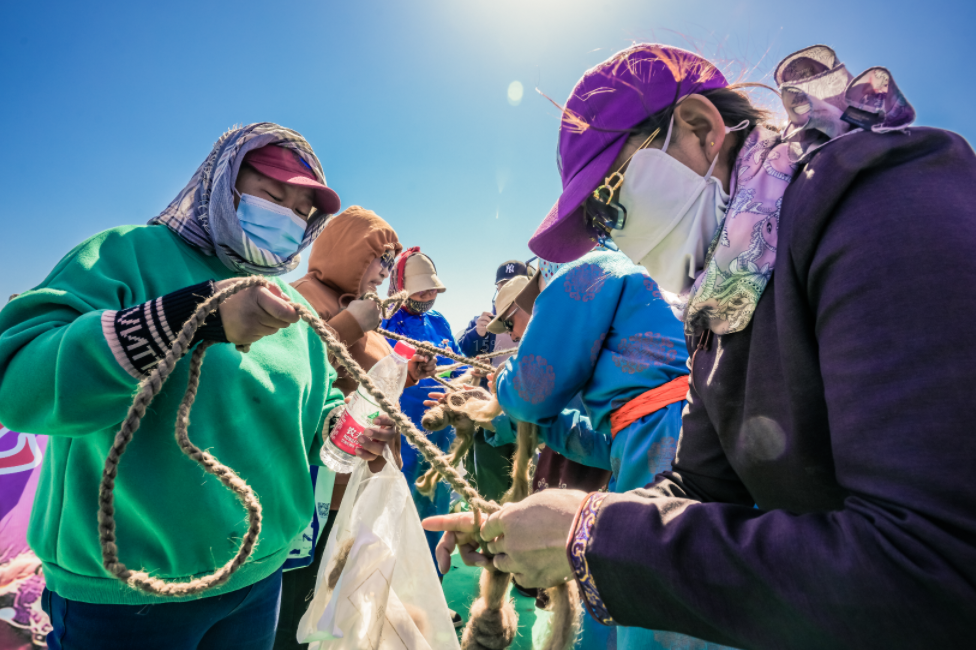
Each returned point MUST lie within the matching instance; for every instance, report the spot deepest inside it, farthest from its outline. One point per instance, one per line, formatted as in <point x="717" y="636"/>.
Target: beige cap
<point x="420" y="275"/>
<point x="505" y="301"/>
<point x="526" y="298"/>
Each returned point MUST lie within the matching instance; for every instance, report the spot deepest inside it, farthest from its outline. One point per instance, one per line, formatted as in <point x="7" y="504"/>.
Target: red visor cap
<point x="285" y="166"/>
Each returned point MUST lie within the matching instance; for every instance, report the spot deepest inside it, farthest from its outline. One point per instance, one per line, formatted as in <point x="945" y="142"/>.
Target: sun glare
<point x="515" y="92"/>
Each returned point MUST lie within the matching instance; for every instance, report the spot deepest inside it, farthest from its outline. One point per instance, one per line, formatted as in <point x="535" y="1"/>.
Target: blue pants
<point x="240" y="620"/>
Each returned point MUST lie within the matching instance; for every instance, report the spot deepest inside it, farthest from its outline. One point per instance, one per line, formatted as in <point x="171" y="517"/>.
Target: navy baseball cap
<point x="509" y="270"/>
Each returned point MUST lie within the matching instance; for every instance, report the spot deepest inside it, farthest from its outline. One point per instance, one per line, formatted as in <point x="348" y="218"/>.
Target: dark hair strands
<point x="733" y="104"/>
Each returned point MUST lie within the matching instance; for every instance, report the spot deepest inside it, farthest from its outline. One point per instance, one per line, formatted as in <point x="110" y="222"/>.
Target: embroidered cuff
<point x="140" y="335"/>
<point x="576" y="549"/>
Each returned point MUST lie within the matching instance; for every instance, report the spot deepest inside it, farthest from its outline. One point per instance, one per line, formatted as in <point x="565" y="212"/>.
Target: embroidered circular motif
<point x="584" y="282"/>
<point x="661" y="454"/>
<point x="651" y="286"/>
<point x="636" y="353"/>
<point x="534" y="379"/>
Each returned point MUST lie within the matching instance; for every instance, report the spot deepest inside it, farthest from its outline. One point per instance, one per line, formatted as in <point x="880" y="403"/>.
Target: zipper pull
<point x="703" y="342"/>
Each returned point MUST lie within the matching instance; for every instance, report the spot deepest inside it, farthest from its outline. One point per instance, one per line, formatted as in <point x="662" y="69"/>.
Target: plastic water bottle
<point x="389" y="375"/>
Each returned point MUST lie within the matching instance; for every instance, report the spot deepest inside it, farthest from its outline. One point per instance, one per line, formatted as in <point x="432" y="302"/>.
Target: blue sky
<point x="109" y="107"/>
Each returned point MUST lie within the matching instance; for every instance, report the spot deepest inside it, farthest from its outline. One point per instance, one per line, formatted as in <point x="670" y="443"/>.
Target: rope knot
<point x="388" y="306"/>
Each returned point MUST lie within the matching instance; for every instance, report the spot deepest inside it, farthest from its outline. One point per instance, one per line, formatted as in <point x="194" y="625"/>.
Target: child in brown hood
<point x="352" y="257"/>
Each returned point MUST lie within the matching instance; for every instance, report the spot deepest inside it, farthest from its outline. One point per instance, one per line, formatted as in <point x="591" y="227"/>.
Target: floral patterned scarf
<point x="823" y="103"/>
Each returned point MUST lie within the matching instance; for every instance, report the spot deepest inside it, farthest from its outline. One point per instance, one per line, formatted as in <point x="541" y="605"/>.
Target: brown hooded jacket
<point x="339" y="259"/>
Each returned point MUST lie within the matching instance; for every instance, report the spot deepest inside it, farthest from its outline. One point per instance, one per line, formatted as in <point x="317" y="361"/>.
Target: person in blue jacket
<point x="617" y="340"/>
<point x="490" y="467"/>
<point x="414" y="272"/>
<point x="476" y="339"/>
<point x="600" y="328"/>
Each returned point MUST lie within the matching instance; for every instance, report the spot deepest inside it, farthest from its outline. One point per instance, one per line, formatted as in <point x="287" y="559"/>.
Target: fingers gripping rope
<point x="150" y="388"/>
<point x="386" y="311"/>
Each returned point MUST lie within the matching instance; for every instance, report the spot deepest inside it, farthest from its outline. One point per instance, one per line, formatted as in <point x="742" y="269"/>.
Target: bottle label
<point x="345" y="435"/>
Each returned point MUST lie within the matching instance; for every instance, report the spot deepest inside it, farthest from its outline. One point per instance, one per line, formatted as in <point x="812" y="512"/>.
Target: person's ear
<point x="697" y="116"/>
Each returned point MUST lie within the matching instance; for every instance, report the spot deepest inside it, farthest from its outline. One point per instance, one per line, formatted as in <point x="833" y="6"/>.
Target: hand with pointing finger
<point x="461" y="534"/>
<point x="529" y="538"/>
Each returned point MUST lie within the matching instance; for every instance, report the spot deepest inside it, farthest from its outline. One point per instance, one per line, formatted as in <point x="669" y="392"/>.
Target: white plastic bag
<point x="388" y="596"/>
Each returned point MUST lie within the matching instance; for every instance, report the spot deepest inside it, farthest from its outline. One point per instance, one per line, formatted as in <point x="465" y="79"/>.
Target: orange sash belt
<point x="646" y="403"/>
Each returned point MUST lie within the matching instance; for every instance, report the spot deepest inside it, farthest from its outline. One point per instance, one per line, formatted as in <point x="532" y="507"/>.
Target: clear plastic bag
<point x="387" y="595"/>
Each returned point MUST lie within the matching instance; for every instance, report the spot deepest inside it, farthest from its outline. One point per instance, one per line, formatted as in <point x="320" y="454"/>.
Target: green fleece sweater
<point x="258" y="413"/>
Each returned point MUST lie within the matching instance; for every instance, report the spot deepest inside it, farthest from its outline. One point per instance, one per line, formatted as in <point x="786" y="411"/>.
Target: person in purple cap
<point x="822" y="493"/>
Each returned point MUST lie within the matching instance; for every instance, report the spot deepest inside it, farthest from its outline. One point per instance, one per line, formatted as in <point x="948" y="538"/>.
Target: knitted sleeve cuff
<point x="332" y="418"/>
<point x="576" y="550"/>
<point x="140" y="336"/>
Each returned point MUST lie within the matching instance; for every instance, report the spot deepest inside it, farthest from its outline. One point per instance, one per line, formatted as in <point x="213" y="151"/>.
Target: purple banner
<point x="23" y="624"/>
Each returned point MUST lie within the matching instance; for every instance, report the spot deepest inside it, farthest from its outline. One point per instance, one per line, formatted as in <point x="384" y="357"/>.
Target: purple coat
<point x="850" y="424"/>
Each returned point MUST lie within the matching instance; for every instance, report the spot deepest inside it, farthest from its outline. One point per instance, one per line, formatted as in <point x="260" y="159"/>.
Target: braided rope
<point x="446" y="384"/>
<point x="386" y="311"/>
<point x="429" y="348"/>
<point x="151" y="387"/>
<point x="477" y="357"/>
<point x="451" y="368"/>
<point x="397" y="300"/>
<point x="497" y="353"/>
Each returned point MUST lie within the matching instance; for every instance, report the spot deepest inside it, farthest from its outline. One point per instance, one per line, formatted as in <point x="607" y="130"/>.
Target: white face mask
<point x="672" y="215"/>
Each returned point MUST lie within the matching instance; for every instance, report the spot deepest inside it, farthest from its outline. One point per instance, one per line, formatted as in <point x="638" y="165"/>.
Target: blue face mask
<point x="270" y="226"/>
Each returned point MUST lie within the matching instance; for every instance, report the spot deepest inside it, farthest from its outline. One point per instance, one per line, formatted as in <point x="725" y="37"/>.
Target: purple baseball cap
<point x="610" y="99"/>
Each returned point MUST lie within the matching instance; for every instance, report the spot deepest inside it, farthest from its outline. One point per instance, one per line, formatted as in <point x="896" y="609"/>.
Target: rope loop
<point x="388" y="306"/>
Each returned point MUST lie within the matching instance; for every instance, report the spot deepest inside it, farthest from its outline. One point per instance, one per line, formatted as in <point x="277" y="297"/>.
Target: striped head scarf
<point x="398" y="278"/>
<point x="203" y="213"/>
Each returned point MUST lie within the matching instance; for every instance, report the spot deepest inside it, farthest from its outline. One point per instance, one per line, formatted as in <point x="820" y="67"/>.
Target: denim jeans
<point x="240" y="620"/>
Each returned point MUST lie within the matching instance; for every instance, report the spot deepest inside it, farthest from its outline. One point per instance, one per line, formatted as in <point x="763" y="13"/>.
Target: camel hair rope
<point x="150" y="388"/>
<point x="479" y="357"/>
<point x="397" y="300"/>
<point x="423" y="346"/>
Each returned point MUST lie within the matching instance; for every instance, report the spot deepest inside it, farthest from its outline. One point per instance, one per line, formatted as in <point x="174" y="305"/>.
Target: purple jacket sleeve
<point x="884" y="281"/>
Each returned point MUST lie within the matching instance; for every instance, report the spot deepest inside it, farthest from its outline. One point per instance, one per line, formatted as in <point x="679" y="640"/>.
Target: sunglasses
<point x="601" y="209"/>
<point x="509" y="323"/>
<point x="387" y="260"/>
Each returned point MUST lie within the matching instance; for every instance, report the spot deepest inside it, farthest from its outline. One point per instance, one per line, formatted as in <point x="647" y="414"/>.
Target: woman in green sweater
<point x="74" y="349"/>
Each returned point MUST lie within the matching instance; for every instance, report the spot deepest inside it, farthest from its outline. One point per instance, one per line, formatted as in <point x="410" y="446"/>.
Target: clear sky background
<point x="109" y="107"/>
